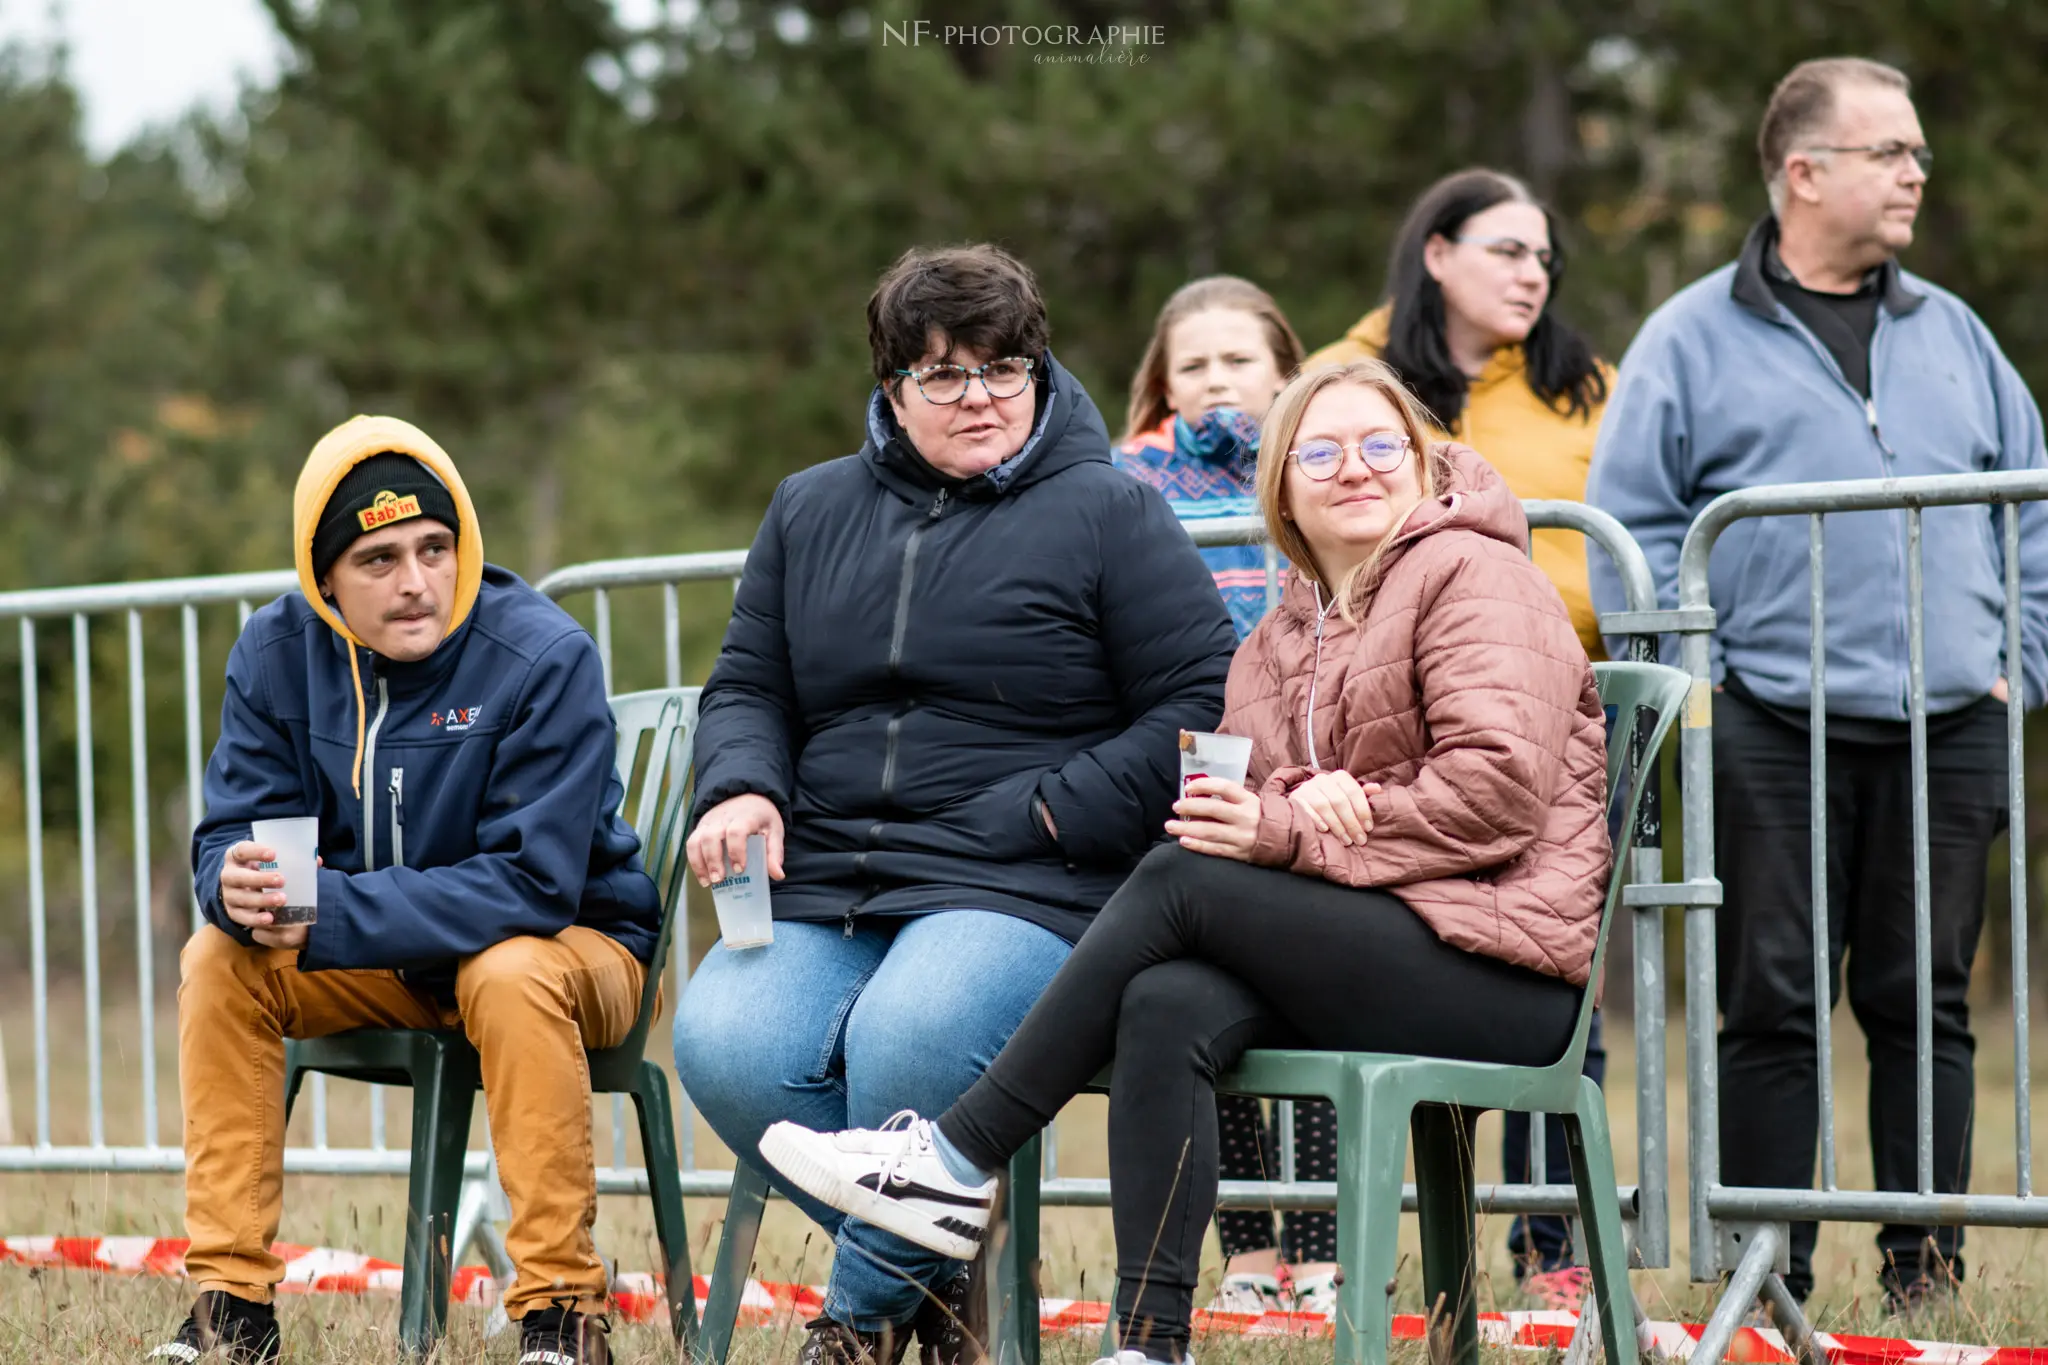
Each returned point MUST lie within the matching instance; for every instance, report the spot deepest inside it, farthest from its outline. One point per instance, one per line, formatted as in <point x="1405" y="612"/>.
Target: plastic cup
<point x="1205" y="755"/>
<point x="296" y="841"/>
<point x="744" y="919"/>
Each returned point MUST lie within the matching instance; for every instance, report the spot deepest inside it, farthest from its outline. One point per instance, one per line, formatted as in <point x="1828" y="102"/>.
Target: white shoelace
<point x="905" y="1121"/>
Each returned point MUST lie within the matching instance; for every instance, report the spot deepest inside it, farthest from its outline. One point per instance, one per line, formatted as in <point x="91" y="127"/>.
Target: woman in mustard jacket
<point x="1470" y="324"/>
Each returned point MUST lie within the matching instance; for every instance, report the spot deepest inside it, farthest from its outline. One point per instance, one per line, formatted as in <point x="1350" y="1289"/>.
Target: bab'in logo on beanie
<point x="386" y="508"/>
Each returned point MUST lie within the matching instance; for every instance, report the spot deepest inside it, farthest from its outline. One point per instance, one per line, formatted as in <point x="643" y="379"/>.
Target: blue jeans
<point x="835" y="1032"/>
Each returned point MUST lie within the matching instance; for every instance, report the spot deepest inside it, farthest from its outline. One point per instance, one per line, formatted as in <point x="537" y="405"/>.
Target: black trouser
<point x="1770" y="1096"/>
<point x="1194" y="960"/>
<point x="1249" y="1150"/>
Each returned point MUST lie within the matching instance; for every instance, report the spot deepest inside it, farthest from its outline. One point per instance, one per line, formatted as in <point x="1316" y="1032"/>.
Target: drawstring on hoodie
<point x="355" y="673"/>
<point x="1315" y="670"/>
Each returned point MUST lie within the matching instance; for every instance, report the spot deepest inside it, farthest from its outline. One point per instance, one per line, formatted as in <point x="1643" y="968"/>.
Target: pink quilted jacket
<point x="1464" y="692"/>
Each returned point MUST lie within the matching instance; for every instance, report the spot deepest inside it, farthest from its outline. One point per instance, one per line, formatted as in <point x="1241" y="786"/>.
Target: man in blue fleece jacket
<point x="1815" y="357"/>
<point x="448" y="727"/>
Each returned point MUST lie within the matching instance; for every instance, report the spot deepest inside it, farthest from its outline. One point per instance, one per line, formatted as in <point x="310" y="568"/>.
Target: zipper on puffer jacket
<point x="898" y="629"/>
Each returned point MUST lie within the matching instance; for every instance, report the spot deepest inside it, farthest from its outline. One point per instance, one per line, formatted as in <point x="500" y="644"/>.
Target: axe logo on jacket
<point x="456" y="717"/>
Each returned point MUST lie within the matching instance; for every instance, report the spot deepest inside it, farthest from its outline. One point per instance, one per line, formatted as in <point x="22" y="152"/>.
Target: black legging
<point x="1194" y="960"/>
<point x="1248" y="1150"/>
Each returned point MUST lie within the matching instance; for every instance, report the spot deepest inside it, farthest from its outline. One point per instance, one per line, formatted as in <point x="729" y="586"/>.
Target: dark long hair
<point x="1561" y="366"/>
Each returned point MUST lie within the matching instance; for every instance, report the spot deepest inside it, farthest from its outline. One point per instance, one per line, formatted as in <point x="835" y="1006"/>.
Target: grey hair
<point x="1804" y="103"/>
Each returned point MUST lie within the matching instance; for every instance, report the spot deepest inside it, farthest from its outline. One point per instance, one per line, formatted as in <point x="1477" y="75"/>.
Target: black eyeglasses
<point x="1514" y="250"/>
<point x="1892" y="153"/>
<point x="943" y="384"/>
<point x="1321" y="458"/>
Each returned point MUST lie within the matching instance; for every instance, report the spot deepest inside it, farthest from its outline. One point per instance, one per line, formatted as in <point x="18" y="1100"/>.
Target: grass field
<point x="75" y="1317"/>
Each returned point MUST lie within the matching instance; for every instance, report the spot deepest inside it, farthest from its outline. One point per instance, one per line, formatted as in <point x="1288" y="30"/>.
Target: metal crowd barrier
<point x="1742" y="1231"/>
<point x="1647" y="1204"/>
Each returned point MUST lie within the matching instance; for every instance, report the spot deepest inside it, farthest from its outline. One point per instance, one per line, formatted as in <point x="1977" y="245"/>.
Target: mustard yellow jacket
<point x="1539" y="451"/>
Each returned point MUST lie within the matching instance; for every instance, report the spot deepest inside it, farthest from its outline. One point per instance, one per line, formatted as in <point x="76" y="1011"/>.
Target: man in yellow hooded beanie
<point x="447" y="725"/>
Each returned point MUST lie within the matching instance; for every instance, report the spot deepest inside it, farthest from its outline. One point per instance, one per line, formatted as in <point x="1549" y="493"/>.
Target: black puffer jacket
<point x="913" y="660"/>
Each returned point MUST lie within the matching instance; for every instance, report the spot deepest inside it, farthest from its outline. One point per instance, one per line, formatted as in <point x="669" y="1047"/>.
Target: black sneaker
<point x="556" y="1335"/>
<point x="950" y="1324"/>
<point x="237" y="1331"/>
<point x="827" y="1342"/>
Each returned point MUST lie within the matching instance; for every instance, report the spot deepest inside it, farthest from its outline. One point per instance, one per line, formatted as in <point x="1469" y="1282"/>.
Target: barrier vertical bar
<point x="38" y="910"/>
<point x="1283" y="1114"/>
<point x="1817" y="789"/>
<point x="1272" y="577"/>
<point x="195" y="769"/>
<point x="88" y="875"/>
<point x="1703" y="1104"/>
<point x="2016" y="839"/>
<point x="1653" y="1232"/>
<point x="1923" y="933"/>
<point x="145" y="956"/>
<point x="242" y="613"/>
<point x="671" y="637"/>
<point x="377" y="1141"/>
<point x="604" y="635"/>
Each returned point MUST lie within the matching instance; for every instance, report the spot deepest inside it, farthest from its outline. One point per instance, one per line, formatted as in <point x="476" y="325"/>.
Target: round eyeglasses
<point x="1320" y="459"/>
<point x="943" y="384"/>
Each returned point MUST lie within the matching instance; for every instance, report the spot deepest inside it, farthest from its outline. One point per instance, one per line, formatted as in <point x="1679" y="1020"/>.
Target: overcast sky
<point x="143" y="62"/>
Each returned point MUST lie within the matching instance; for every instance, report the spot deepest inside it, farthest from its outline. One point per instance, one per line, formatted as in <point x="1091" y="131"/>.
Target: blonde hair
<point x="1276" y="441"/>
<point x="1226" y="292"/>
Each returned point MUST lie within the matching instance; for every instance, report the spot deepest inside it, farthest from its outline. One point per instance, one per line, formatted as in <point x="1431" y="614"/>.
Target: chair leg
<point x="736" y="1241"/>
<point x="444" y="1091"/>
<point x="294" y="1077"/>
<point x="1443" y="1192"/>
<point x="664" y="1185"/>
<point x="1592" y="1156"/>
<point x="1372" y="1145"/>
<point x="1016" y="1271"/>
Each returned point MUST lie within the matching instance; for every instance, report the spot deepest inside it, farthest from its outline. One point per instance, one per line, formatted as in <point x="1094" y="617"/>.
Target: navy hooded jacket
<point x="914" y="662"/>
<point x="489" y="804"/>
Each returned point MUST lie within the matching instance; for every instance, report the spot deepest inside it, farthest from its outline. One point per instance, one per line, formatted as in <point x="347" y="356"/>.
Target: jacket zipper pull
<point x="1870" y="413"/>
<point x="397" y="790"/>
<point x="849" y="923"/>
<point x="938" y="508"/>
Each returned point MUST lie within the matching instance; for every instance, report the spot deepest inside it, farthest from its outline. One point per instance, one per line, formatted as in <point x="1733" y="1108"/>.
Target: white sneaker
<point x="1246" y="1292"/>
<point x="1316" y="1294"/>
<point x="1140" y="1358"/>
<point x="889" y="1176"/>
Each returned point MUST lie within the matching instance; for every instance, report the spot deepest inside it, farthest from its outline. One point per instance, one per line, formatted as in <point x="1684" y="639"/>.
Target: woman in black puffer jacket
<point x="949" y="699"/>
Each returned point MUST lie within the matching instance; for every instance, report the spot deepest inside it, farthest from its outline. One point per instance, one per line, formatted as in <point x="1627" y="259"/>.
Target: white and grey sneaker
<point x="889" y="1176"/>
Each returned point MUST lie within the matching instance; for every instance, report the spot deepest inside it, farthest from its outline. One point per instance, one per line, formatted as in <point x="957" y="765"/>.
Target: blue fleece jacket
<point x="1723" y="389"/>
<point x="489" y="803"/>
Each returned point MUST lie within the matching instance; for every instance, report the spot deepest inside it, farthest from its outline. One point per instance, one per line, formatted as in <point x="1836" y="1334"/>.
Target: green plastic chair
<point x="443" y="1069"/>
<point x="1381" y="1097"/>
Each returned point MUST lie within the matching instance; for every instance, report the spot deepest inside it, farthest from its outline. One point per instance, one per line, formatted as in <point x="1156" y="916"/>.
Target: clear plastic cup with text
<point x="296" y="842"/>
<point x="742" y="903"/>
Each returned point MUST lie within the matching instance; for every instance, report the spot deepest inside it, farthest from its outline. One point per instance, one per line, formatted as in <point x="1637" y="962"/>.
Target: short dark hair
<point x="979" y="297"/>
<point x="1803" y="104"/>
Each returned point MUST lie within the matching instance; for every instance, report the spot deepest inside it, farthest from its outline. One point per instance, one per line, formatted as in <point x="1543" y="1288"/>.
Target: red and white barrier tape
<point x="322" y="1270"/>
